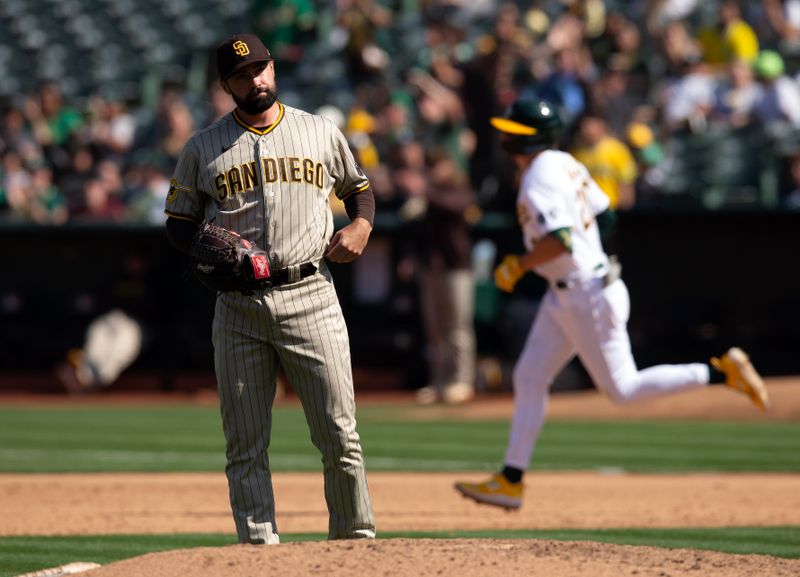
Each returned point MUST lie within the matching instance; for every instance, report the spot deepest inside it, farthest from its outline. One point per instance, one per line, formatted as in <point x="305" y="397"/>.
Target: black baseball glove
<point x="224" y="261"/>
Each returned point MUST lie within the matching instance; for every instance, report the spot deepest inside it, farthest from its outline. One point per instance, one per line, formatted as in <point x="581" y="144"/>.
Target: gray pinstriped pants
<point x="299" y="327"/>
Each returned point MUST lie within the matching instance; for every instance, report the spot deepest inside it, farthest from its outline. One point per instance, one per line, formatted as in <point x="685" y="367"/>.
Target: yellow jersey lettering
<point x="249" y="178"/>
<point x="294" y="169"/>
<point x="222" y="186"/>
<point x="234" y="181"/>
<point x="308" y="170"/>
<point x="270" y="170"/>
<point x="282" y="166"/>
<point x="291" y="170"/>
<point x="320" y="176"/>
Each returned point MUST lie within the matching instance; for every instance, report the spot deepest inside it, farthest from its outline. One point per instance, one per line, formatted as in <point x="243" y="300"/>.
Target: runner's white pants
<point x="590" y="321"/>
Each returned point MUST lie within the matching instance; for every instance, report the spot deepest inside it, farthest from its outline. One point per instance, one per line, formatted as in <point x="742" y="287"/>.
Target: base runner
<point x="585" y="311"/>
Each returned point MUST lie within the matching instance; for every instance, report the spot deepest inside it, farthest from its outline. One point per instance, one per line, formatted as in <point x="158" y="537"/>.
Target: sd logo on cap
<point x="238" y="51"/>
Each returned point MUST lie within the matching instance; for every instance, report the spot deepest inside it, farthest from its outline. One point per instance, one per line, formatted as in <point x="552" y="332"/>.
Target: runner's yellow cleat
<point x="497" y="491"/>
<point x="741" y="376"/>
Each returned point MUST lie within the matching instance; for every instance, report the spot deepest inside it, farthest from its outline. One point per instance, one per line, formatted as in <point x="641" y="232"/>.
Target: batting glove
<point x="508" y="273"/>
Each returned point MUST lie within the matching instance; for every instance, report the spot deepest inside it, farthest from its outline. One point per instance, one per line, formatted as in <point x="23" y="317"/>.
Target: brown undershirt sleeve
<point x="361" y="204"/>
<point x="180" y="233"/>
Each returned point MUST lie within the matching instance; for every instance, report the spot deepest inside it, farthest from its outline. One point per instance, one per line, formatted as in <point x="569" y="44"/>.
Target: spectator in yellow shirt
<point x="730" y="39"/>
<point x="608" y="159"/>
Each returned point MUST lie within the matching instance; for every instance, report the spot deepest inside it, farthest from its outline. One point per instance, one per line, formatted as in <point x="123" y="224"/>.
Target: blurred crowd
<point x="411" y="82"/>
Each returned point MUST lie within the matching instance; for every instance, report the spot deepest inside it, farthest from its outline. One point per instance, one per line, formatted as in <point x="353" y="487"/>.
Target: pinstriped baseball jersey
<point x="272" y="186"/>
<point x="269" y="185"/>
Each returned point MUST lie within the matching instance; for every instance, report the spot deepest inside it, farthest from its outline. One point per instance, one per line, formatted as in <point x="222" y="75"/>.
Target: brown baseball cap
<point x="238" y="51"/>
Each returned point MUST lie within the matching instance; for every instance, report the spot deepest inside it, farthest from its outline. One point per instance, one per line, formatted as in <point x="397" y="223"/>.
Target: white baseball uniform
<point x="272" y="186"/>
<point x="585" y="310"/>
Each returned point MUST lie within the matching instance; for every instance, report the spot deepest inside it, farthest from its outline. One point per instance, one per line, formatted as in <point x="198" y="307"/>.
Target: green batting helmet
<point x="529" y="125"/>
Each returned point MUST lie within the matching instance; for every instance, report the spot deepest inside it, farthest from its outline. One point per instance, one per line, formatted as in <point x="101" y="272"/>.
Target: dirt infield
<point x="197" y="503"/>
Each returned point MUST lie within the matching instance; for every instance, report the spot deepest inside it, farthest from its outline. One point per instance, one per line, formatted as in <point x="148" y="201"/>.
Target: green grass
<point x="113" y="438"/>
<point x="24" y="554"/>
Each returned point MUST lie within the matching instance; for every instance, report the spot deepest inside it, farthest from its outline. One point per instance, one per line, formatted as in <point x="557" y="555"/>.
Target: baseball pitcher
<point x="249" y="202"/>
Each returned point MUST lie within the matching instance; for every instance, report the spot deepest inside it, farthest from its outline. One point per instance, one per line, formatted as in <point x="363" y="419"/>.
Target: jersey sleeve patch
<point x="174" y="189"/>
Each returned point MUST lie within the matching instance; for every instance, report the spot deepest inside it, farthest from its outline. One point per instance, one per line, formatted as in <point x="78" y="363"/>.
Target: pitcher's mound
<point x="447" y="557"/>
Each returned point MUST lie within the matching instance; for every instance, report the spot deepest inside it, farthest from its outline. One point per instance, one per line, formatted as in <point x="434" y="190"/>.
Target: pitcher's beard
<point x="256" y="101"/>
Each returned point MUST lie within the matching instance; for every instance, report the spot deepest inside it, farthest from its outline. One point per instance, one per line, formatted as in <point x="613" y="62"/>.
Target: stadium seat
<point x="89" y="44"/>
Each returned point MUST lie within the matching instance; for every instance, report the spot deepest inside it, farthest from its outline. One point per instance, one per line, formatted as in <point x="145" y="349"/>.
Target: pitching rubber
<point x="68" y="569"/>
